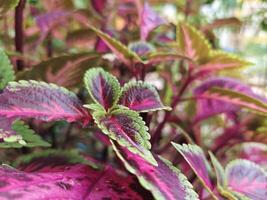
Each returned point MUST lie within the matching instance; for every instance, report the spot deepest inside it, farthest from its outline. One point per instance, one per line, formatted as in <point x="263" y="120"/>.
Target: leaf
<point x="220" y="173"/>
<point x="164" y="180"/>
<point x="209" y="104"/>
<point x="6" y="69"/>
<point x="141" y="97"/>
<point x="5" y="6"/>
<point x="125" y="55"/>
<point x="149" y="21"/>
<point x="67" y="182"/>
<point x="99" y="5"/>
<point x="158" y="57"/>
<point x="128" y="129"/>
<point x="192" y="43"/>
<point x="220" y="60"/>
<point x="32" y="99"/>
<point x="141" y="48"/>
<point x="247" y="178"/>
<point x="66" y="70"/>
<point x="16" y="134"/>
<point x="103" y="87"/>
<point x="196" y="159"/>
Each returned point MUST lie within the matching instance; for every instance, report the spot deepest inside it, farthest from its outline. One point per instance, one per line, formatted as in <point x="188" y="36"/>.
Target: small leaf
<point x="141" y="48"/>
<point x="149" y="21"/>
<point x="141" y="97"/>
<point x="125" y="55"/>
<point x="99" y="5"/>
<point x="5" y="6"/>
<point x="220" y="60"/>
<point x="220" y="173"/>
<point x="67" y="182"/>
<point x="164" y="180"/>
<point x="196" y="159"/>
<point x="247" y="178"/>
<point x="103" y="87"/>
<point x="192" y="43"/>
<point x="128" y="129"/>
<point x="32" y="99"/>
<point x="6" y="69"/>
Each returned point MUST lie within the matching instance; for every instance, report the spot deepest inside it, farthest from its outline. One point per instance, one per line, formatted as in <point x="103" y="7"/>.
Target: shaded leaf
<point x="247" y="178"/>
<point x="125" y="55"/>
<point x="192" y="43"/>
<point x="99" y="5"/>
<point x="66" y="182"/>
<point x="128" y="129"/>
<point x="220" y="173"/>
<point x="7" y="5"/>
<point x="149" y="21"/>
<point x="141" y="48"/>
<point x="32" y="99"/>
<point x="6" y="69"/>
<point x="164" y="180"/>
<point x="103" y="87"/>
<point x="141" y="97"/>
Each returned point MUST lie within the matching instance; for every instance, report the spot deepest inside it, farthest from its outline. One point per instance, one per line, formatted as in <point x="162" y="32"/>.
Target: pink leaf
<point x="32" y="99"/>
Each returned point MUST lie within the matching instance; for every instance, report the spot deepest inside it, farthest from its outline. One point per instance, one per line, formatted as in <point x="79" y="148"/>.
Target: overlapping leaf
<point x="164" y="181"/>
<point x="128" y="129"/>
<point x="125" y="55"/>
<point x="102" y="87"/>
<point x="141" y="97"/>
<point x="6" y="69"/>
<point x="67" y="182"/>
<point x="149" y="21"/>
<point x="247" y="178"/>
<point x="32" y="99"/>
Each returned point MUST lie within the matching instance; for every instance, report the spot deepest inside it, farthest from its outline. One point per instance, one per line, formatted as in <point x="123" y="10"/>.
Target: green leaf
<point x="7" y="5"/>
<point x="128" y="129"/>
<point x="6" y="70"/>
<point x="253" y="104"/>
<point x="192" y="43"/>
<point x="103" y="87"/>
<point x="220" y="174"/>
<point x="123" y="53"/>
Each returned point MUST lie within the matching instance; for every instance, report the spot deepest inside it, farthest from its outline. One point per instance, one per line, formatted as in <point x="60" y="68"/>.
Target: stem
<point x="19" y="36"/>
<point x="157" y="132"/>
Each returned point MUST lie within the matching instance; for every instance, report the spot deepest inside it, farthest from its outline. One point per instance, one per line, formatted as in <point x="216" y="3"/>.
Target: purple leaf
<point x="164" y="181"/>
<point x="101" y="46"/>
<point x="149" y="21"/>
<point x="128" y="129"/>
<point x="247" y="178"/>
<point x="99" y="5"/>
<point x="103" y="87"/>
<point x="141" y="97"/>
<point x="141" y="48"/>
<point x="209" y="107"/>
<point x="67" y="182"/>
<point x="195" y="157"/>
<point x="32" y="99"/>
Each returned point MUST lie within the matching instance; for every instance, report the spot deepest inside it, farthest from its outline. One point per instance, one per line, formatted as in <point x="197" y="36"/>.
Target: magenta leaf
<point x="141" y="97"/>
<point x="209" y="107"/>
<point x="67" y="182"/>
<point x="247" y="178"/>
<point x="128" y="129"/>
<point x="195" y="157"/>
<point x="164" y="180"/>
<point x="99" y="5"/>
<point x="149" y="21"/>
<point x="103" y="87"/>
<point x="32" y="99"/>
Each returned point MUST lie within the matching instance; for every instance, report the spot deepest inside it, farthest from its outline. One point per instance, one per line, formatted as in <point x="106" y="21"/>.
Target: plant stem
<point x="157" y="132"/>
<point x="19" y="37"/>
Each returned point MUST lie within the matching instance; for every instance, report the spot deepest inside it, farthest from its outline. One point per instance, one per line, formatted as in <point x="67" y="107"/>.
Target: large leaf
<point x="6" y="69"/>
<point x="247" y="178"/>
<point x="125" y="55"/>
<point x="192" y="43"/>
<point x="220" y="60"/>
<point x="67" y="182"/>
<point x="128" y="129"/>
<point x="103" y="87"/>
<point x="141" y="97"/>
<point x="164" y="181"/>
<point x="66" y="70"/>
<point x="210" y="104"/>
<point x="195" y="157"/>
<point x="7" y="5"/>
<point x="32" y="99"/>
<point x="149" y="21"/>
